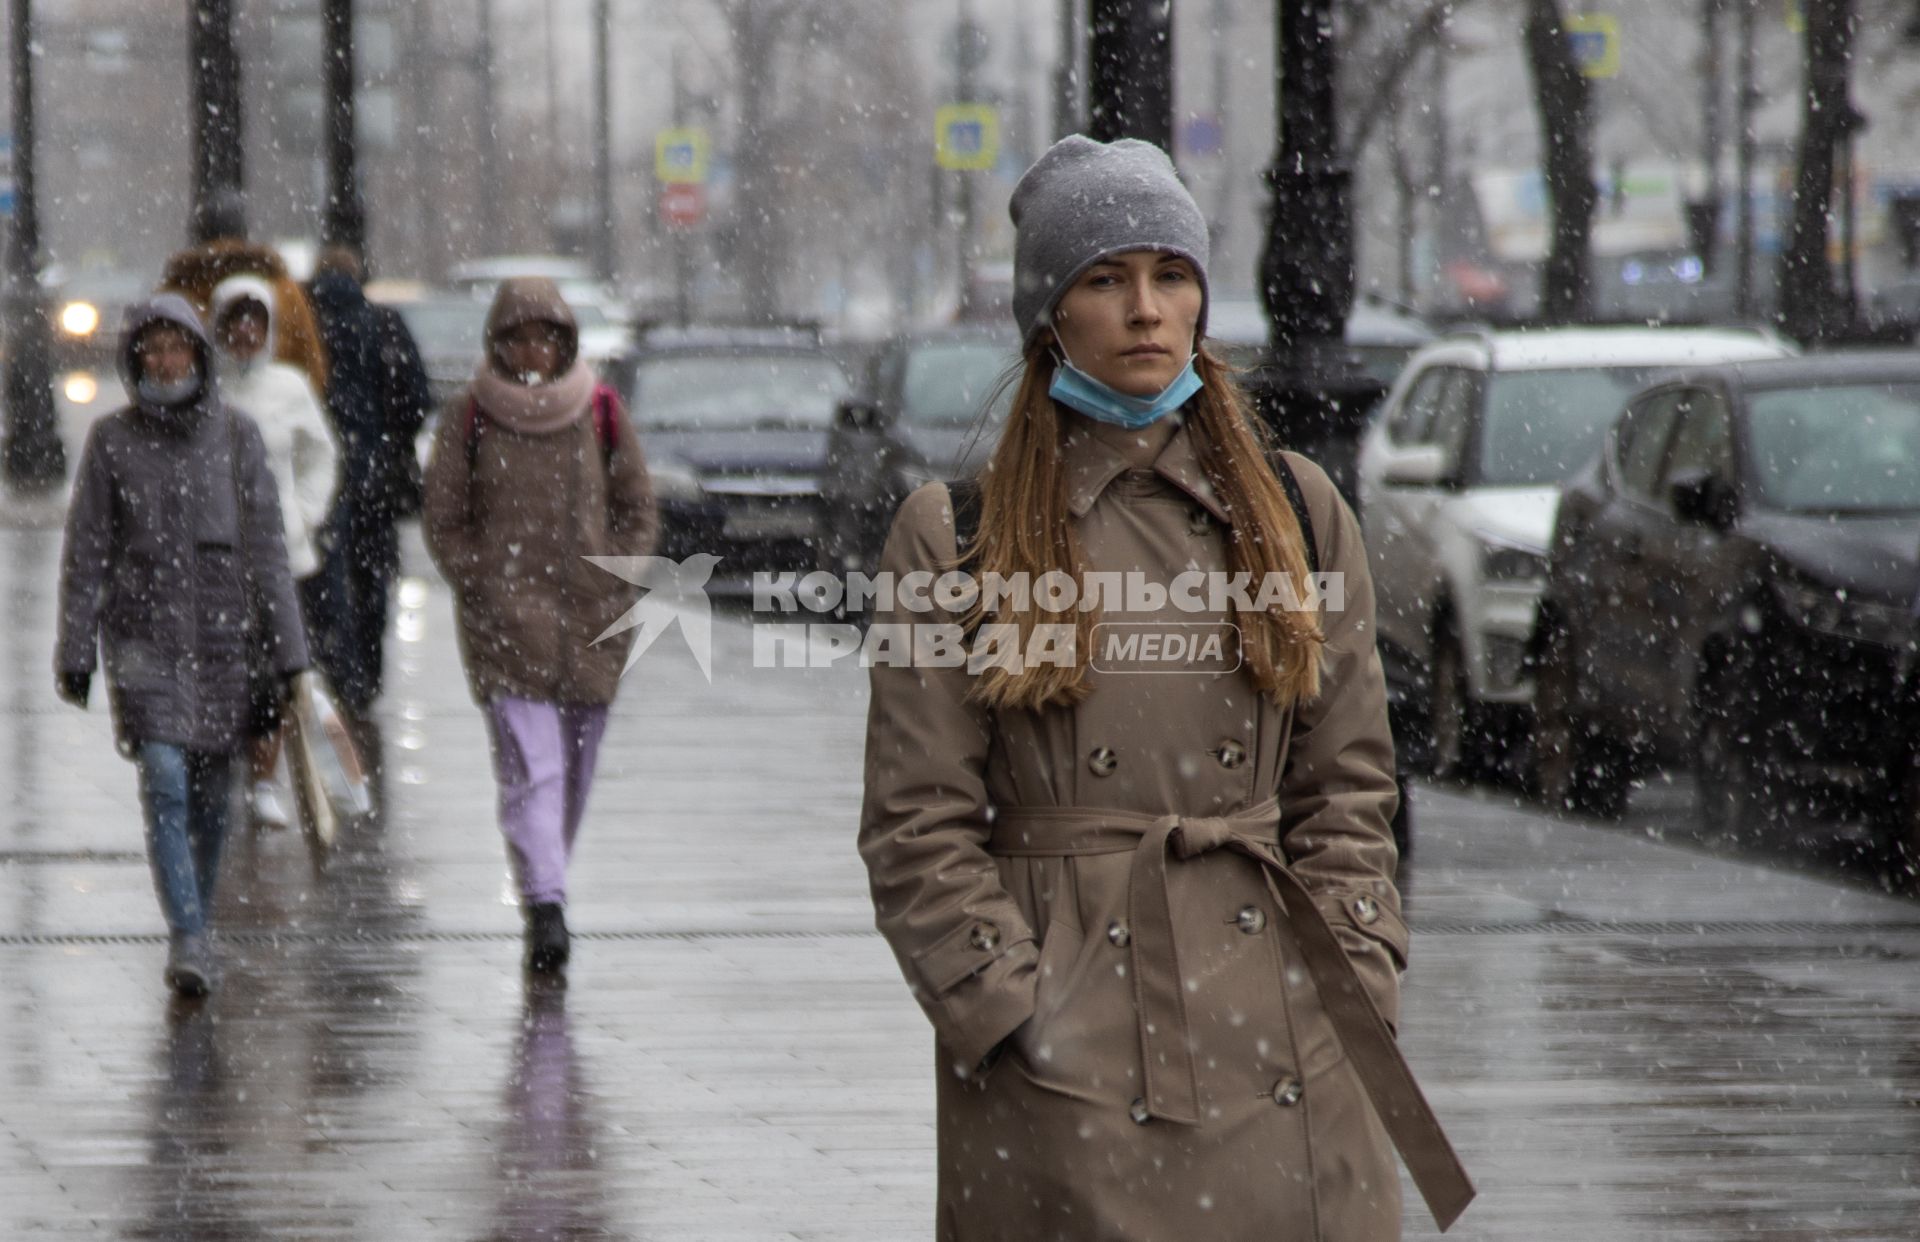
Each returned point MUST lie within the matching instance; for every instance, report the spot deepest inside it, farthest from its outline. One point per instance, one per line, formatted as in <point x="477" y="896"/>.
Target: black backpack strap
<point x="964" y="496"/>
<point x="1298" y="499"/>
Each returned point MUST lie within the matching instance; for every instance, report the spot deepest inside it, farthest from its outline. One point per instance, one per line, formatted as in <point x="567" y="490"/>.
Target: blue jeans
<point x="187" y="796"/>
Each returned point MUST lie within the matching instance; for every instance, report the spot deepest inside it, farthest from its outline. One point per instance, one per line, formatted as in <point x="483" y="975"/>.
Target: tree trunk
<point x="754" y="217"/>
<point x="218" y="153"/>
<point x="1810" y="307"/>
<point x="1564" y="101"/>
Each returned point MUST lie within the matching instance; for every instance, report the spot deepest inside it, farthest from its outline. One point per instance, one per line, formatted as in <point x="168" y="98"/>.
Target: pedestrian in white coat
<point x="300" y="451"/>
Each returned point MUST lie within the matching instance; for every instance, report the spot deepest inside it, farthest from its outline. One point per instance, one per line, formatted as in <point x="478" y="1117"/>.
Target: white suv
<point x="1460" y="474"/>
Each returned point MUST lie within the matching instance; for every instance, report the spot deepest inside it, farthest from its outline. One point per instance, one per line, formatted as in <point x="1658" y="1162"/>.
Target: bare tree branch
<point x="1384" y="88"/>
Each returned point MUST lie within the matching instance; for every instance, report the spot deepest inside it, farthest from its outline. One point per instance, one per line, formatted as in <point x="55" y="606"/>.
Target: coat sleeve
<point x="316" y="458"/>
<point x="264" y="531"/>
<point x="86" y="559"/>
<point x="1337" y="792"/>
<point x="447" y="519"/>
<point x="961" y="940"/>
<point x="634" y="518"/>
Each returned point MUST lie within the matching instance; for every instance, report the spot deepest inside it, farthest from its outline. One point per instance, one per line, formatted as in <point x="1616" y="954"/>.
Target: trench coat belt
<point x="1171" y="1081"/>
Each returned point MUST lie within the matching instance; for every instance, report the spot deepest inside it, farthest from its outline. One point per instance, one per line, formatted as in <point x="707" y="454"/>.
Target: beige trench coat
<point x="1031" y="872"/>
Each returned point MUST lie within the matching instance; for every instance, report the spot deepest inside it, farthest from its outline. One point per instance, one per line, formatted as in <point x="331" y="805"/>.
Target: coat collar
<point x="1092" y="464"/>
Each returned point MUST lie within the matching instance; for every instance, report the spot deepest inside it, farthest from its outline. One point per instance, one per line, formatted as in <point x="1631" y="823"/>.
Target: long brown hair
<point x="1027" y="529"/>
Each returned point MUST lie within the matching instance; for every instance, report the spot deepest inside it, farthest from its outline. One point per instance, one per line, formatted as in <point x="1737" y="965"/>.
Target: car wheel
<point x="1455" y="731"/>
<point x="1733" y="786"/>
<point x="1574" y="767"/>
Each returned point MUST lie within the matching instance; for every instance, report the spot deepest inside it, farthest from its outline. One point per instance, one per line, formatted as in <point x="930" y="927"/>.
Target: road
<point x="1629" y="1034"/>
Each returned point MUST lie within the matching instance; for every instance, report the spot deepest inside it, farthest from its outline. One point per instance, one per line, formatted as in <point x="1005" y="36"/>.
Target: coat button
<point x="985" y="937"/>
<point x="1366" y="910"/>
<point x="1138" y="1111"/>
<point x="1230" y="753"/>
<point x="1287" y="1092"/>
<point x="1103" y="761"/>
<point x="1252" y="920"/>
<point x="1118" y="933"/>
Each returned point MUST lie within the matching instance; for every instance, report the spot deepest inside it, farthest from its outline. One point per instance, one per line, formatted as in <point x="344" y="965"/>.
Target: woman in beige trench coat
<point x="1141" y="882"/>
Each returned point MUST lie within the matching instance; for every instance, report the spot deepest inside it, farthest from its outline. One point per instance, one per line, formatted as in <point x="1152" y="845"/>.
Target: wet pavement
<point x="1629" y="1034"/>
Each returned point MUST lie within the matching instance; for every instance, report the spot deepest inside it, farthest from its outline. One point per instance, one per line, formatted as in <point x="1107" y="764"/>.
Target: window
<point x="1541" y="426"/>
<point x="1849" y="448"/>
<point x="1408" y="424"/>
<point x="947" y="383"/>
<point x="1452" y="423"/>
<point x="1643" y="442"/>
<point x="1703" y="441"/>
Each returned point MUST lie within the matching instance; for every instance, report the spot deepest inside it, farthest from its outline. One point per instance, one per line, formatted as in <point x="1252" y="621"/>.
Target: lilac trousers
<point x="543" y="759"/>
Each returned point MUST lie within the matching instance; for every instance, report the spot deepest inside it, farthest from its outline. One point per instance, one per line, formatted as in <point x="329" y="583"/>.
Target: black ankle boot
<point x="547" y="944"/>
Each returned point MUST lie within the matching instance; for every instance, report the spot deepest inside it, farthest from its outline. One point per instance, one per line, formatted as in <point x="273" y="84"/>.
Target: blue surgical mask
<point x="1077" y="390"/>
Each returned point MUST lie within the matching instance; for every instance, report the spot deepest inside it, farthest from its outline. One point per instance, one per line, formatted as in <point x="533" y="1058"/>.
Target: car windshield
<point x="947" y="382"/>
<point x="735" y="391"/>
<point x="1837" y="448"/>
<point x="1541" y="426"/>
<point x="443" y="329"/>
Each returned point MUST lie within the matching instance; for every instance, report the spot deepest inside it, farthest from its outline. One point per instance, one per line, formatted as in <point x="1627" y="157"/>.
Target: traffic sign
<point x="966" y="136"/>
<point x="1595" y="38"/>
<point x="680" y="156"/>
<point x="683" y="204"/>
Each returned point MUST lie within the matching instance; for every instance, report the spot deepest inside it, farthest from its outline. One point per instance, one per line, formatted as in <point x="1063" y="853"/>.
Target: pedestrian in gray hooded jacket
<point x="174" y="555"/>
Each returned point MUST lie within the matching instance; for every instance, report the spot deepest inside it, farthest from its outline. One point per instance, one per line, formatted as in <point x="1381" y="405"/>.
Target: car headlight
<point x="675" y="482"/>
<point x="1504" y="561"/>
<point x="1833" y="612"/>
<point x="79" y="318"/>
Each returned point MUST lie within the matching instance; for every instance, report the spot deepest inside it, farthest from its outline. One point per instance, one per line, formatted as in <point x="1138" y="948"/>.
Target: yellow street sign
<point x="966" y="136"/>
<point x="1596" y="44"/>
<point x="680" y="156"/>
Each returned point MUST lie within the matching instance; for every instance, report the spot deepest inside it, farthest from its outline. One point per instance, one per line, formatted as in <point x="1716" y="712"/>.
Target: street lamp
<point x="34" y="456"/>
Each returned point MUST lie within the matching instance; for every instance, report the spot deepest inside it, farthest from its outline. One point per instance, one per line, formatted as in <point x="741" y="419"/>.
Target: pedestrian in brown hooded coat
<point x="1149" y="908"/>
<point x="534" y="469"/>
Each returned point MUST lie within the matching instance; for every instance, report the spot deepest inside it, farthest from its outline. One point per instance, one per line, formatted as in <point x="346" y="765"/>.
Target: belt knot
<point x="1192" y="837"/>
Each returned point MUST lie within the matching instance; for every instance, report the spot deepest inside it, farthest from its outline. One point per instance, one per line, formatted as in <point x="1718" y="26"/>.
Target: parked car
<point x="1734" y="582"/>
<point x="1380" y="336"/>
<point x="735" y="423"/>
<point x="924" y="415"/>
<point x="1459" y="472"/>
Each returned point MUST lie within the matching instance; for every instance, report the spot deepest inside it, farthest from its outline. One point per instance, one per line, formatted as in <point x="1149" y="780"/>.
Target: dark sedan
<point x="1734" y="582"/>
<point x="735" y="426"/>
<point x="930" y="412"/>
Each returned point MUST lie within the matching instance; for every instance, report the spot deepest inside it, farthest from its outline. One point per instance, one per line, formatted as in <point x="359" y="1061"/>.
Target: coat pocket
<point x="1082" y="1040"/>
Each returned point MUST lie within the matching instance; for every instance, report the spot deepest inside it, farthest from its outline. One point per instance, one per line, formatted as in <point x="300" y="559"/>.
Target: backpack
<point x="606" y="423"/>
<point x="964" y="495"/>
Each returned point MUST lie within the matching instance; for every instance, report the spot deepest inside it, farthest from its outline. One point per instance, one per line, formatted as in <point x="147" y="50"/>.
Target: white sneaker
<point x="267" y="811"/>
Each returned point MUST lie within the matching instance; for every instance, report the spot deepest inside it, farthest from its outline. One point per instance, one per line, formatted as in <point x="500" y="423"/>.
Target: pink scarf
<point x="534" y="409"/>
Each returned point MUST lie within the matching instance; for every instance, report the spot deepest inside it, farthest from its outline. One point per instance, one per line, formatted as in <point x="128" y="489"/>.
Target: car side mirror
<point x="1417" y="465"/>
<point x="858" y="414"/>
<point x="1703" y="499"/>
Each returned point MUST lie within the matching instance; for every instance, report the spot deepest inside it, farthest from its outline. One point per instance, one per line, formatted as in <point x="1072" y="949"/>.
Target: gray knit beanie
<point x="1084" y="201"/>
